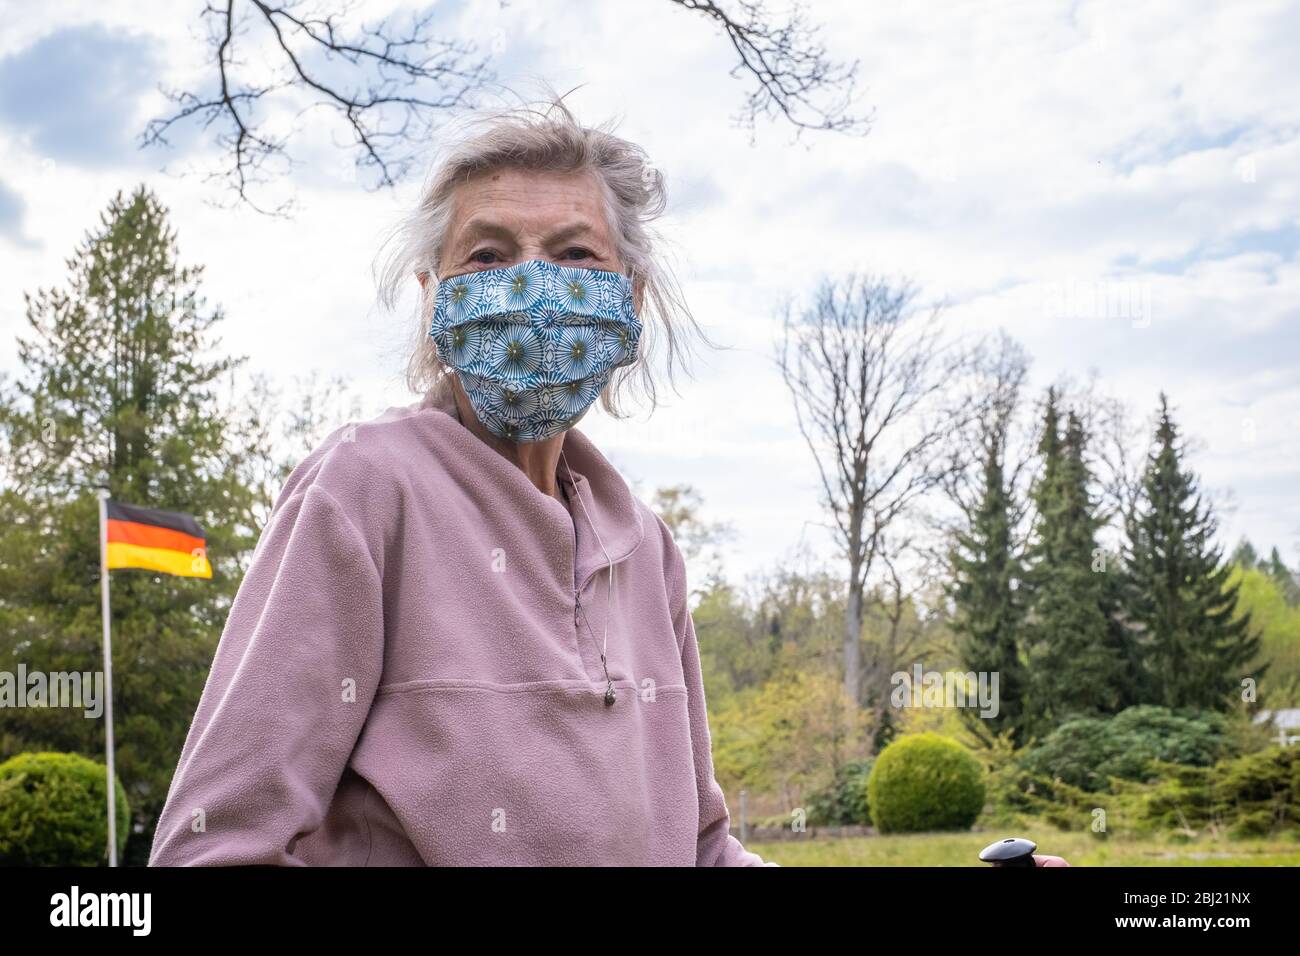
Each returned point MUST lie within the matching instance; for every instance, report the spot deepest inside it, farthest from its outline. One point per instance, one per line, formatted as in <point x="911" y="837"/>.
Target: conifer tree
<point x="986" y="574"/>
<point x="1246" y="555"/>
<point x="1284" y="576"/>
<point x="116" y="389"/>
<point x="1177" y="586"/>
<point x="1076" y="670"/>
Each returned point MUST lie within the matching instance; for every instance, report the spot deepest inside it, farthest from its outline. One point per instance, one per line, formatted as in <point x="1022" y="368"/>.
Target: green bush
<point x="1087" y="752"/>
<point x="925" y="782"/>
<point x="844" y="803"/>
<point x="1253" y="795"/>
<point x="1258" y="793"/>
<point x="53" y="811"/>
<point x="1179" y="798"/>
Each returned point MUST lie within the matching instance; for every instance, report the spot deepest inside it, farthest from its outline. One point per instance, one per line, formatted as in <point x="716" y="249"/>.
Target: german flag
<point x="166" y="541"/>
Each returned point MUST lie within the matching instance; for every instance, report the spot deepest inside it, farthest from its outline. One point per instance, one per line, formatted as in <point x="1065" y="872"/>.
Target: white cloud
<point x="1017" y="148"/>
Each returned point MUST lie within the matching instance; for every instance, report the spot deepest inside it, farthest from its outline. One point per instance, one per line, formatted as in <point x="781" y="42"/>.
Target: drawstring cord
<point x="604" y="661"/>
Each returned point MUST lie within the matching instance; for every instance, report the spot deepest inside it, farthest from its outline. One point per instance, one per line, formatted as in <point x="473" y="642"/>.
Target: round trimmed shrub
<point x="53" y="809"/>
<point x="925" y="782"/>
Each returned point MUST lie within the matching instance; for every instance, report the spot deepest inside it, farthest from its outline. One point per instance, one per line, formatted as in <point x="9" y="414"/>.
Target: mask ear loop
<point x="609" y="596"/>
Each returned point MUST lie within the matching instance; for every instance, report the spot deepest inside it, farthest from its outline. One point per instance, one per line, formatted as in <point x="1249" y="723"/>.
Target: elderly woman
<point x="462" y="639"/>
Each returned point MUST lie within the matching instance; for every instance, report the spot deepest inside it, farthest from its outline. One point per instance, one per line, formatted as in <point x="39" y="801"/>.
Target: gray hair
<point x="546" y="138"/>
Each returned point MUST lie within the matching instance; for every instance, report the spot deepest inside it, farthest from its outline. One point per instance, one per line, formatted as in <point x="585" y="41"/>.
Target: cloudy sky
<point x="1028" y="162"/>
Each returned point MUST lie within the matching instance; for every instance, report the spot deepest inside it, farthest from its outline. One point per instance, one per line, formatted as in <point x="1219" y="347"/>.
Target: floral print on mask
<point x="534" y="343"/>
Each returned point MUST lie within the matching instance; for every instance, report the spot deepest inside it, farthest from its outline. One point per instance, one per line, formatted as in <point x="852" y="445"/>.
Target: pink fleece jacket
<point x="410" y="672"/>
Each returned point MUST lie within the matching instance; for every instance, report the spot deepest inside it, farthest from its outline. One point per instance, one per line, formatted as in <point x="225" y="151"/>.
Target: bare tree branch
<point x="1119" y="447"/>
<point x="397" y="80"/>
<point x="794" y="78"/>
<point x="400" y="80"/>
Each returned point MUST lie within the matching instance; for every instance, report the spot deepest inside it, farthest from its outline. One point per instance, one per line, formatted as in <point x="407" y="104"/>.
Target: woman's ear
<point x="423" y="276"/>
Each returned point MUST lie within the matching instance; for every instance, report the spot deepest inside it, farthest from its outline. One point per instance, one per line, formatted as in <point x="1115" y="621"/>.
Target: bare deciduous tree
<point x="1119" y="448"/>
<point x="868" y="380"/>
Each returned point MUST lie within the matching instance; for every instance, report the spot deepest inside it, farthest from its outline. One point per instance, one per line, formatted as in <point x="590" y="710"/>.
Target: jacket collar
<point x="609" y="503"/>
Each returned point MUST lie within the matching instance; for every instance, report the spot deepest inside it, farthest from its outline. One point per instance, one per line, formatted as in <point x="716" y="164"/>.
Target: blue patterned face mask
<point x="534" y="343"/>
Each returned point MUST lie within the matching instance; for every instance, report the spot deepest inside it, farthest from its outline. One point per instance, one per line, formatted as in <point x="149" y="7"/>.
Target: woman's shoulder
<point x="367" y="467"/>
<point x="659" y="537"/>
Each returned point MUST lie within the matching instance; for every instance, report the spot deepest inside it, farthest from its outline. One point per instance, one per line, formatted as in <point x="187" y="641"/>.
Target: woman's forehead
<point x="510" y="201"/>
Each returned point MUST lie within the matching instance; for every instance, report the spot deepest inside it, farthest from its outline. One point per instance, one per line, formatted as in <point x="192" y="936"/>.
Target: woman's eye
<point x="484" y="257"/>
<point x="577" y="252"/>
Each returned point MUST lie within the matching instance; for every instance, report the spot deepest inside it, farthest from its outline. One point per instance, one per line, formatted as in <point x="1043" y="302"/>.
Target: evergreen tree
<point x="1131" y="681"/>
<point x="1246" y="555"/>
<point x="116" y="391"/>
<point x="1040" y="557"/>
<point x="1076" y="669"/>
<point x="1046" y="489"/>
<point x="1285" y="578"/>
<point x="1177" y="586"/>
<point x="986" y="573"/>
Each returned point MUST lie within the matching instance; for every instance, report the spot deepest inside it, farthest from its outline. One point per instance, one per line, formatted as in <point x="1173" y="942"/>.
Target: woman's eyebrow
<point x="571" y="231"/>
<point x="484" y="227"/>
<point x="479" y="228"/>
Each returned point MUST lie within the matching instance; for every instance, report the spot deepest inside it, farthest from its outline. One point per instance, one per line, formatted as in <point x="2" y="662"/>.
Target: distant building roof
<point x="1288" y="718"/>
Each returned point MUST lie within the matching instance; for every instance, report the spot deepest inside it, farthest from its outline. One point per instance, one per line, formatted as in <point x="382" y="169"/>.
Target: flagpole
<point x="108" y="675"/>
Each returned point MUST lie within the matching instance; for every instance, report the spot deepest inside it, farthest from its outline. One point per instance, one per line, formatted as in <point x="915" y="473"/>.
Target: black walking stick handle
<point x="1013" y="851"/>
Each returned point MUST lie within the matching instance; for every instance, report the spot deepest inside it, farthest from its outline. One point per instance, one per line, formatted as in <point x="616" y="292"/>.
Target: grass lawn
<point x="1080" y="849"/>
